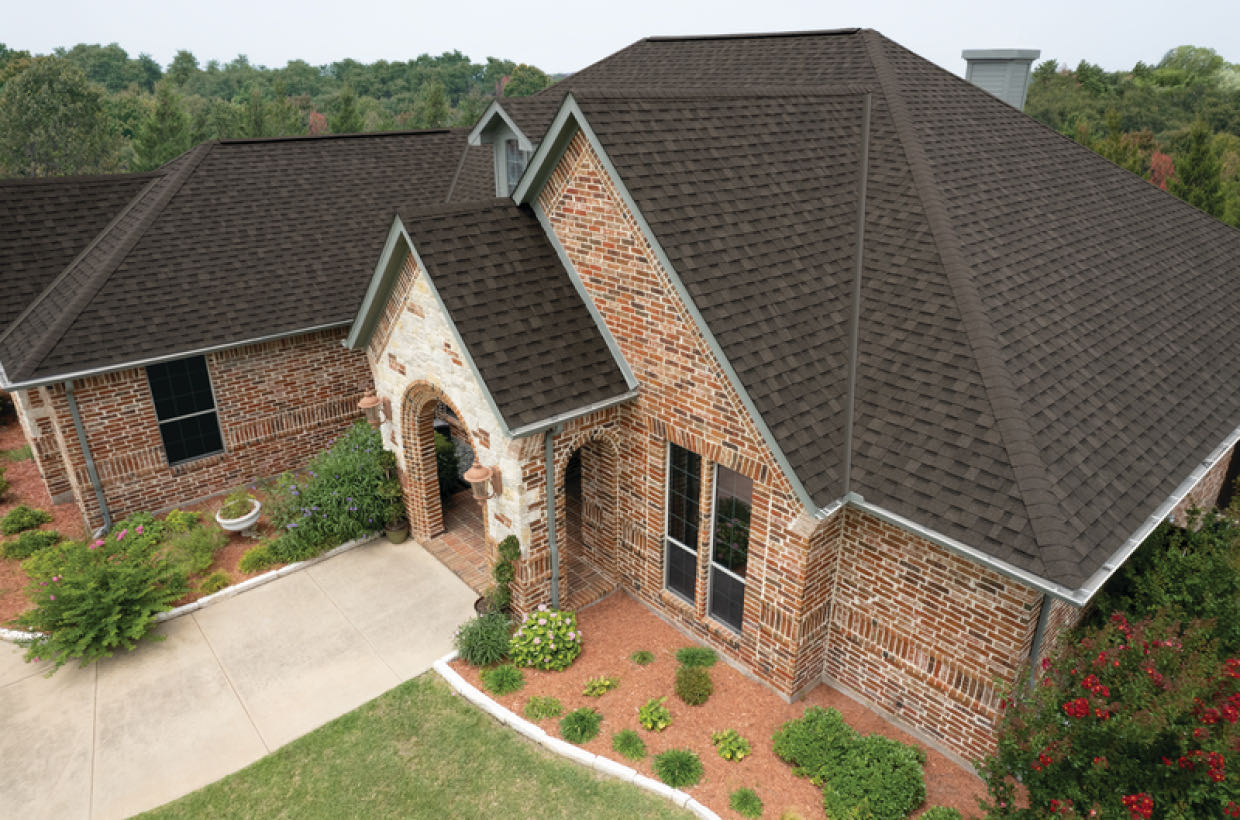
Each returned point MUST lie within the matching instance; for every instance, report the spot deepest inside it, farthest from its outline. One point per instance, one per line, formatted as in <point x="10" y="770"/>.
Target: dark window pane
<point x="727" y="598"/>
<point x="733" y="505"/>
<point x="681" y="571"/>
<point x="180" y="388"/>
<point x="191" y="437"/>
<point x="684" y="483"/>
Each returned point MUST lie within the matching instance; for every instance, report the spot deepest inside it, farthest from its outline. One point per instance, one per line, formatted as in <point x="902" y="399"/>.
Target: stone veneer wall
<point x="278" y="402"/>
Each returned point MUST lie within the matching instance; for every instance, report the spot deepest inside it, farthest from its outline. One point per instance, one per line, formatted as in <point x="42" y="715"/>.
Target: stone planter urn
<point x="243" y="524"/>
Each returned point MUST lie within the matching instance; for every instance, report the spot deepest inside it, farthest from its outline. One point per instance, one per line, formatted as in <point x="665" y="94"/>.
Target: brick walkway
<point x="462" y="549"/>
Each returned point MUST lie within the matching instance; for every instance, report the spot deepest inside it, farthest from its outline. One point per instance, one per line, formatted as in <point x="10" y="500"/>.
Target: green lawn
<point x="417" y="751"/>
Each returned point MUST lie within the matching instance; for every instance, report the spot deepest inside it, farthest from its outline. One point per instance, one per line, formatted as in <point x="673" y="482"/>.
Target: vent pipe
<point x="1003" y="72"/>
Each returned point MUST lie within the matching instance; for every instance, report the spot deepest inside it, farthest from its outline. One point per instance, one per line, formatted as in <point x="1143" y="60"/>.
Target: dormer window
<point x="515" y="161"/>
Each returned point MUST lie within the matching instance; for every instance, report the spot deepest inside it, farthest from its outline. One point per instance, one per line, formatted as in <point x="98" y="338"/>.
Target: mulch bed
<point x="619" y="625"/>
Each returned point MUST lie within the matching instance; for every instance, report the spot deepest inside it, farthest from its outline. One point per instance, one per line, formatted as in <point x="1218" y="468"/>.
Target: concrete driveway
<point x="230" y="683"/>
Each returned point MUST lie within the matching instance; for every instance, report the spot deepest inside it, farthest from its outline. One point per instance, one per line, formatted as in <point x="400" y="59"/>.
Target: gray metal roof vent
<point x="1003" y="72"/>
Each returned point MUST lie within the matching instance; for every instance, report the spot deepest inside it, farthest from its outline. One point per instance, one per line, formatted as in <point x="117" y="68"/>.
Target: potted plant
<point x="397" y="529"/>
<point x="498" y="597"/>
<point x="395" y="522"/>
<point x="239" y="512"/>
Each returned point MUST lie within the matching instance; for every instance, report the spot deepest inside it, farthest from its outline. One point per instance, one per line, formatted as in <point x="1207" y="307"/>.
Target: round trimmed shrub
<point x="503" y="680"/>
<point x="628" y="744"/>
<point x="678" y="768"/>
<point x="879" y="775"/>
<point x="509" y="549"/>
<point x="547" y="639"/>
<point x="746" y="803"/>
<point x="581" y="725"/>
<point x="696" y="656"/>
<point x="483" y="640"/>
<point x="693" y="685"/>
<point x="22" y="518"/>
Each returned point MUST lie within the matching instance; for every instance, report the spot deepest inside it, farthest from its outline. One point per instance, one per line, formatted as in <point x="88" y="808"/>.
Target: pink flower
<point x="542" y="607"/>
<point x="542" y="621"/>
<point x="139" y="530"/>
<point x="537" y="641"/>
<point x="52" y="597"/>
<point x="121" y="534"/>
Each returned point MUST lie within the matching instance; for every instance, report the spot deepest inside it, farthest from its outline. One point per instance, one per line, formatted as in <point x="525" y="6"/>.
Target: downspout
<point x="90" y="461"/>
<point x="549" y="456"/>
<point x="1039" y="633"/>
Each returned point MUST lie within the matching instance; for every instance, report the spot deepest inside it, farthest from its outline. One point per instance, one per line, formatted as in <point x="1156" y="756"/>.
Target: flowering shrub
<point x="340" y="498"/>
<point x="1130" y="720"/>
<point x="546" y="639"/>
<point x="94" y="597"/>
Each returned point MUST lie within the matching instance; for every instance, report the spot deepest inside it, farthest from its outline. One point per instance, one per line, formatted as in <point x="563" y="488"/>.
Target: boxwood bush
<point x="22" y="518"/>
<point x="341" y="496"/>
<point x="29" y="542"/>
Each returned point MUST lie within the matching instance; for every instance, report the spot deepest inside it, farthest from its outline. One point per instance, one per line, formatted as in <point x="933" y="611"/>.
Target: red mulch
<point x="620" y="625"/>
<point x="27" y="487"/>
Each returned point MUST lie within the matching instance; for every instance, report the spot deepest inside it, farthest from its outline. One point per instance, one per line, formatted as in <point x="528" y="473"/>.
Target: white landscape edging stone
<point x="599" y="763"/>
<point x="15" y="635"/>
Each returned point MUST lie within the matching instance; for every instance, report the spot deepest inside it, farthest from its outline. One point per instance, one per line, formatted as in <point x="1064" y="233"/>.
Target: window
<point x="684" y="485"/>
<point x="185" y="407"/>
<point x="515" y="160"/>
<point x="730" y="546"/>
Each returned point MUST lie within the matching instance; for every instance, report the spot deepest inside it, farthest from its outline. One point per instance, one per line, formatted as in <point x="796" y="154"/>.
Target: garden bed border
<point x="15" y="635"/>
<point x="563" y="748"/>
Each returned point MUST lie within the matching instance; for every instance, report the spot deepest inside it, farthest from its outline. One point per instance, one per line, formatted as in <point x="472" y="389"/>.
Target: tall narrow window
<point x="730" y="546"/>
<point x="185" y="408"/>
<point x="516" y="160"/>
<point x="684" y="486"/>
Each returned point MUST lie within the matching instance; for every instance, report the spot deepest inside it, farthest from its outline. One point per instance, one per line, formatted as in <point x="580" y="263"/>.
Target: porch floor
<point x="462" y="548"/>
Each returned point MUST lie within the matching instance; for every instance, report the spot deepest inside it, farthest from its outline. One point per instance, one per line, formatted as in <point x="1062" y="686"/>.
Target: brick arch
<point x="420" y="476"/>
<point x="600" y="453"/>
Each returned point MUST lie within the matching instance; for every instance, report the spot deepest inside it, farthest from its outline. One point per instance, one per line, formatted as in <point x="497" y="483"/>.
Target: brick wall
<point x="279" y="403"/>
<point x="1206" y="492"/>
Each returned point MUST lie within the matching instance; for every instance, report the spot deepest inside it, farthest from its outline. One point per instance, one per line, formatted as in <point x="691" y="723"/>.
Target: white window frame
<point x="668" y="541"/>
<point x="711" y="566"/>
<point x="215" y="408"/>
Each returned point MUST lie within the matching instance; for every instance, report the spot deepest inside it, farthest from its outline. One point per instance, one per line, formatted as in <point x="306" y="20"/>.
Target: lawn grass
<point x="416" y="751"/>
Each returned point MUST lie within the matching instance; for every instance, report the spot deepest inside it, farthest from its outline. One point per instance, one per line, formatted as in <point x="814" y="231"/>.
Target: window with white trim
<point x="185" y="408"/>
<point x="729" y="557"/>
<point x="684" y="487"/>
<point x="515" y="161"/>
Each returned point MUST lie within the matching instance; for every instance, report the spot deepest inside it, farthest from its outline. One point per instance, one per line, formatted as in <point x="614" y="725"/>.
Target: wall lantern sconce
<point x="485" y="482"/>
<point x="377" y="410"/>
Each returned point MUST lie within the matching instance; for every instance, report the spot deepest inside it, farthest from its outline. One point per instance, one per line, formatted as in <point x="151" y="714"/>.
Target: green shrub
<point x="182" y="520"/>
<point x="237" y="504"/>
<point x="628" y="744"/>
<point x="940" y="813"/>
<point x="447" y="465"/>
<point x="4" y="482"/>
<point x="880" y="778"/>
<point x="483" y="641"/>
<point x="693" y="685"/>
<point x="546" y="639"/>
<point x="193" y="551"/>
<point x="581" y="725"/>
<point x="22" y="518"/>
<point x="678" y="768"/>
<point x="746" y="803"/>
<point x="542" y="707"/>
<point x="214" y="582"/>
<point x="816" y="743"/>
<point x="642" y="657"/>
<point x="18" y="453"/>
<point x="503" y="680"/>
<point x="341" y="498"/>
<point x="509" y="548"/>
<point x="30" y="542"/>
<point x="499" y="596"/>
<point x="104" y="596"/>
<point x="696" y="656"/>
<point x="653" y="715"/>
<point x="597" y="687"/>
<point x="730" y="745"/>
<point x="257" y="558"/>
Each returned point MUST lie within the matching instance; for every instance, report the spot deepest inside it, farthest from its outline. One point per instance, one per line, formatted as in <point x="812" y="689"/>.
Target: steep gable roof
<point x="235" y="241"/>
<point x="1032" y="350"/>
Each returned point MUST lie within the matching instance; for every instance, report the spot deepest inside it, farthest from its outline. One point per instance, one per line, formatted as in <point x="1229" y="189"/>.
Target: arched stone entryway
<point x="446" y="520"/>
<point x="589" y="521"/>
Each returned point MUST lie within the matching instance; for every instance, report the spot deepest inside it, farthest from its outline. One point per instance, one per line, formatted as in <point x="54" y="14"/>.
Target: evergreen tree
<point x="345" y="118"/>
<point x="164" y="134"/>
<point x="52" y="121"/>
<point x="430" y="109"/>
<point x="1198" y="179"/>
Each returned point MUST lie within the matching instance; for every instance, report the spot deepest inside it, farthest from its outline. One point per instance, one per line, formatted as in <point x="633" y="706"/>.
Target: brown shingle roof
<point x="238" y="240"/>
<point x="532" y="338"/>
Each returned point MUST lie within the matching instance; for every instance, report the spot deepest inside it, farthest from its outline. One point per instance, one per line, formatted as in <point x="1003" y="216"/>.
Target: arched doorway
<point x="589" y="528"/>
<point x="442" y="514"/>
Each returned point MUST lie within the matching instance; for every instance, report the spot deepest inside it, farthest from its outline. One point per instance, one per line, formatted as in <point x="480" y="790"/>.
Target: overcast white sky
<point x="563" y="37"/>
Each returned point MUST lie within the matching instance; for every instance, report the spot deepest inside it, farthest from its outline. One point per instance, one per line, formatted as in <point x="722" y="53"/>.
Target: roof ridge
<point x="357" y="135"/>
<point x="83" y="295"/>
<point x="703" y="92"/>
<point x="76" y="179"/>
<point x="756" y="35"/>
<point x="1032" y="476"/>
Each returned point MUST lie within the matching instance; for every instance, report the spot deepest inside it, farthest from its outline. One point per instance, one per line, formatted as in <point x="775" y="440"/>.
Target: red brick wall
<point x="278" y="402"/>
<point x="1206" y="492"/>
<point x="923" y="633"/>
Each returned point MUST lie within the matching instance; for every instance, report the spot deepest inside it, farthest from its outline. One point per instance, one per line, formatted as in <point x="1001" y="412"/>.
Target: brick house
<point x="850" y="369"/>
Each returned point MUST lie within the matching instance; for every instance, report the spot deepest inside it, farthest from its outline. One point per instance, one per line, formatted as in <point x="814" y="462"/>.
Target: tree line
<point x="1177" y="123"/>
<point x="94" y="109"/>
